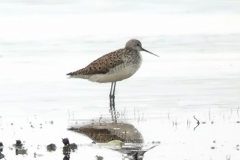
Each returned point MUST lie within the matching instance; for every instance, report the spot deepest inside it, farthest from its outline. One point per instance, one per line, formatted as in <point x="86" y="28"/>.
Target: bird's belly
<point x="116" y="74"/>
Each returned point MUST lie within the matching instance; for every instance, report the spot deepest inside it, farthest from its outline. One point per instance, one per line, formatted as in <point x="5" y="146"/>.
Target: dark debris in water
<point x="66" y="150"/>
<point x="67" y="157"/>
<point x="65" y="141"/>
<point x="99" y="157"/>
<point x="73" y="146"/>
<point x="51" y="147"/>
<point x="213" y="147"/>
<point x="21" y="151"/>
<point x="1" y="146"/>
<point x="2" y="156"/>
<point x="68" y="146"/>
<point x="237" y="147"/>
<point x="18" y="144"/>
<point x="156" y="142"/>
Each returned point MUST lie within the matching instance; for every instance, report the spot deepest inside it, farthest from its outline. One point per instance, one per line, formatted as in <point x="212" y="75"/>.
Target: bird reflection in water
<point x="120" y="136"/>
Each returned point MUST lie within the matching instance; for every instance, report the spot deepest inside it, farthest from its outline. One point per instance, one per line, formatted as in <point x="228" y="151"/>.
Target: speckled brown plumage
<point x="102" y="64"/>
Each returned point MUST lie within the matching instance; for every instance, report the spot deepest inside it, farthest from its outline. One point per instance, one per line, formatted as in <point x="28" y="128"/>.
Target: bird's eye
<point x="138" y="44"/>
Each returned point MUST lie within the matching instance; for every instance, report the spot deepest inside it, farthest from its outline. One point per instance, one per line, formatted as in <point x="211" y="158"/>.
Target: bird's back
<point x="101" y="65"/>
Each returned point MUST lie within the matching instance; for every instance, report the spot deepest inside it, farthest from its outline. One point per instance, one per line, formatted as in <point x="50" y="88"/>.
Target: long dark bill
<point x="149" y="52"/>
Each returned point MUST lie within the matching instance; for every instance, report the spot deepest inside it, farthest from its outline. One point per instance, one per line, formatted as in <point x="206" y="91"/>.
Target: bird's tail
<point x="75" y="73"/>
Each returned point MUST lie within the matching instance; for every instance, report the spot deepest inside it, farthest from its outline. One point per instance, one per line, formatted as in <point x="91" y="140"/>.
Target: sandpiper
<point x="115" y="66"/>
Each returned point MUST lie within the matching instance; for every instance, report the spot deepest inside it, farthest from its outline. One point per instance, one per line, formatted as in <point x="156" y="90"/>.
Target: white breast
<point x="118" y="73"/>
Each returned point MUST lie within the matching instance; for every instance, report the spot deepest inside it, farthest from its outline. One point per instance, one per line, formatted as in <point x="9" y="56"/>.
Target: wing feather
<point x="102" y="65"/>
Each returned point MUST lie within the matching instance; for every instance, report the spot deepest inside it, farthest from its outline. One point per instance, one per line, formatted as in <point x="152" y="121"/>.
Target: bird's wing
<point x="101" y="65"/>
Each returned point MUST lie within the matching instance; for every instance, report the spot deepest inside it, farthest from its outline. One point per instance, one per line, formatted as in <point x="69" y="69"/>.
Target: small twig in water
<point x="174" y="123"/>
<point x="188" y="123"/>
<point x="198" y="122"/>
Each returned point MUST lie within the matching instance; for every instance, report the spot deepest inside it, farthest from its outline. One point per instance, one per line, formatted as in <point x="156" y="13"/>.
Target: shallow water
<point x="197" y="74"/>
